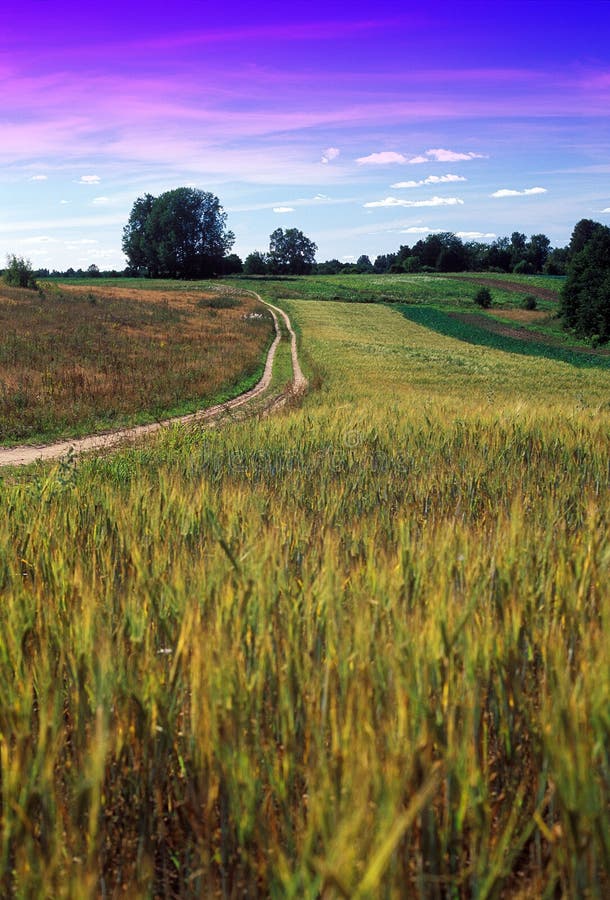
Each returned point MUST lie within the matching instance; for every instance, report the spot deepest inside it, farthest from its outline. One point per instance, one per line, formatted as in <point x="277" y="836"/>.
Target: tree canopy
<point x="585" y="297"/>
<point x="179" y="234"/>
<point x="290" y="252"/>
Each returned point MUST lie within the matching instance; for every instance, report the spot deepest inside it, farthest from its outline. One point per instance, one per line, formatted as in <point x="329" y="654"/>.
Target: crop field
<point x="355" y="649"/>
<point x="79" y="359"/>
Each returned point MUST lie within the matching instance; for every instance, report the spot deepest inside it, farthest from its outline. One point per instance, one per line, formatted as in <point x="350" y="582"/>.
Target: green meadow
<point x="357" y="648"/>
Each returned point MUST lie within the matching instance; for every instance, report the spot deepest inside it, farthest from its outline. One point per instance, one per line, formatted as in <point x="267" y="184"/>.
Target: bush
<point x="523" y="268"/>
<point x="18" y="272"/>
<point x="529" y="302"/>
<point x="483" y="298"/>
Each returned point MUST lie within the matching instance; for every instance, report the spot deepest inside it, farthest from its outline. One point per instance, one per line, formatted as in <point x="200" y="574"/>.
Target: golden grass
<point x="359" y="649"/>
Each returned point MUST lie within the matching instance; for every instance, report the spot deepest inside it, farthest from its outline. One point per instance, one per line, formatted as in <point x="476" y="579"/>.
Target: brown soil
<point x="543" y="293"/>
<point x="526" y="316"/>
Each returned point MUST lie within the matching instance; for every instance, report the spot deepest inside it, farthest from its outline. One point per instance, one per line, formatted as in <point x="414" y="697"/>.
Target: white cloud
<point x="418" y="160"/>
<point x="329" y="154"/>
<point x="321" y="197"/>
<point x="101" y="201"/>
<point x="64" y="202"/>
<point x="381" y="159"/>
<point x="431" y="179"/>
<point x="450" y="156"/>
<point x="40" y="239"/>
<point x="89" y="179"/>
<point x="283" y="209"/>
<point x="39" y="178"/>
<point x="505" y="192"/>
<point x="475" y="235"/>
<point x="606" y="210"/>
<point x="433" y="201"/>
<point x="443" y="179"/>
<point x="420" y="229"/>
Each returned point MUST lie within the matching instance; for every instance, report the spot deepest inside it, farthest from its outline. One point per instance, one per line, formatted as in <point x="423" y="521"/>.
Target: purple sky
<point x="366" y="126"/>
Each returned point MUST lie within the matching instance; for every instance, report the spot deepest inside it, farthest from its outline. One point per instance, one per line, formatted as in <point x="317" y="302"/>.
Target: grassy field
<point x="78" y="359"/>
<point x="453" y="290"/>
<point x="358" y="649"/>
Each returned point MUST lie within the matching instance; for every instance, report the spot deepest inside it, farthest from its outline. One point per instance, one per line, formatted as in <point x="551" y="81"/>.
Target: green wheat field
<point x="358" y="648"/>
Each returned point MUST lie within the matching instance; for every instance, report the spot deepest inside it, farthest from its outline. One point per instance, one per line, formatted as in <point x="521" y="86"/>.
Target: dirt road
<point x="24" y="455"/>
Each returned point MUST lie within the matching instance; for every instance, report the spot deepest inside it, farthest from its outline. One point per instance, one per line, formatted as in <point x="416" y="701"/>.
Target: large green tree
<point x="290" y="252"/>
<point x="179" y="234"/>
<point x="585" y="297"/>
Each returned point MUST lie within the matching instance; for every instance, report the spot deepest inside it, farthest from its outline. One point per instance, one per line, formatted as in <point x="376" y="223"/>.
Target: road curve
<point x="24" y="455"/>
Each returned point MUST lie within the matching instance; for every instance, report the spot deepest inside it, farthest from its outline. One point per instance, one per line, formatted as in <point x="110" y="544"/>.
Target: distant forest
<point x="437" y="252"/>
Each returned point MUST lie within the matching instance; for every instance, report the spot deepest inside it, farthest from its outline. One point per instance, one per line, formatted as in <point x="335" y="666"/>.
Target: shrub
<point x="18" y="272"/>
<point x="529" y="302"/>
<point x="523" y="268"/>
<point x="483" y="298"/>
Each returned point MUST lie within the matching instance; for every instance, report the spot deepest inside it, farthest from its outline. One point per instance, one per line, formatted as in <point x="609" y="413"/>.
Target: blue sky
<point x="366" y="127"/>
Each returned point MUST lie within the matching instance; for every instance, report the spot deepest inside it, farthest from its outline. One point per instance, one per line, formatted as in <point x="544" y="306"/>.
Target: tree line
<point x="183" y="233"/>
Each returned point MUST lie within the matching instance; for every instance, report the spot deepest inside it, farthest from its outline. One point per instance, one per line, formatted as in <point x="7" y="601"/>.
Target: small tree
<point x="483" y="298"/>
<point x="19" y="272"/>
<point x="255" y="263"/>
<point x="364" y="264"/>
<point x="290" y="252"/>
<point x="529" y="302"/>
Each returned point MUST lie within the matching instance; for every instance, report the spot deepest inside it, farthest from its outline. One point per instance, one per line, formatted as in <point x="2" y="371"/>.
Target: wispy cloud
<point x="450" y="156"/>
<point x="39" y="178"/>
<point x="432" y="201"/>
<point x="329" y="154"/>
<point x="97" y="221"/>
<point x="475" y="235"/>
<point x="39" y="239"/>
<point x="420" y="229"/>
<point x="89" y="179"/>
<point x="507" y="192"/>
<point x="606" y="210"/>
<point x="381" y="159"/>
<point x="283" y="209"/>
<point x="440" y="155"/>
<point x="431" y="179"/>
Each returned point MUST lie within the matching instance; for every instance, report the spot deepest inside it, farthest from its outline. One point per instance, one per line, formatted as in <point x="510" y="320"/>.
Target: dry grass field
<point x="77" y="359"/>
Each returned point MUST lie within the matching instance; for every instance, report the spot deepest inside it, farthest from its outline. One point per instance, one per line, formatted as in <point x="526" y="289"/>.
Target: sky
<point x="365" y="125"/>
